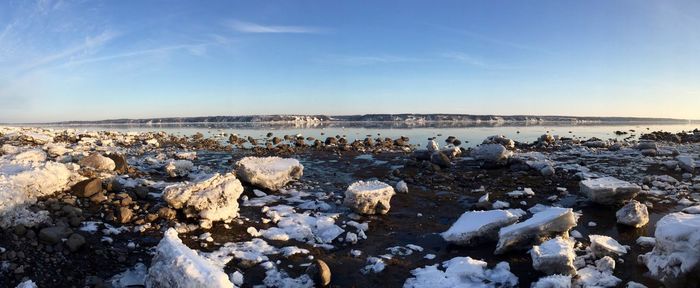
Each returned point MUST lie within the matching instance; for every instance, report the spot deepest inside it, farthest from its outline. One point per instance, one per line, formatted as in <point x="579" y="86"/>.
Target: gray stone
<point x="98" y="162"/>
<point x="320" y="273"/>
<point x="87" y="188"/>
<point x="75" y="241"/>
<point x="53" y="235"/>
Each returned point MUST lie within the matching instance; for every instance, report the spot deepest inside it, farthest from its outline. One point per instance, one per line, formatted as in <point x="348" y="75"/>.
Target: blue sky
<point x="89" y="60"/>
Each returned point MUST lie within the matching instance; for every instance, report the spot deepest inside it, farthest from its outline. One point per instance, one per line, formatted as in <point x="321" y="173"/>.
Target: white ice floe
<point x="135" y="276"/>
<point x="480" y="225"/>
<point x="24" y="176"/>
<point x="27" y="284"/>
<point x="553" y="281"/>
<point x="646" y="241"/>
<point x="374" y="265"/>
<point x="520" y="193"/>
<point x="215" y="198"/>
<point x="676" y="255"/>
<point x="633" y="214"/>
<point x="591" y="277"/>
<point x="401" y="187"/>
<point x="692" y="209"/>
<point x="304" y="227"/>
<point x="462" y="272"/>
<point x="179" y="168"/>
<point x="548" y="222"/>
<point x="608" y="190"/>
<point x="280" y="279"/>
<point x="269" y="172"/>
<point x="176" y="265"/>
<point x="555" y="256"/>
<point x="602" y="245"/>
<point x="372" y="197"/>
<point x="249" y="253"/>
<point x="500" y="204"/>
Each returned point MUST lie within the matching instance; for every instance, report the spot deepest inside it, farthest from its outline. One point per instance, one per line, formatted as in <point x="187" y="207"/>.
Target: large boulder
<point x="633" y="214"/>
<point x="98" y="162"/>
<point x="551" y="221"/>
<point x="609" y="190"/>
<point x="372" y="197"/>
<point x="175" y="265"/>
<point x="215" y="198"/>
<point x="269" y="172"/>
<point x="675" y="259"/>
<point x="473" y="226"/>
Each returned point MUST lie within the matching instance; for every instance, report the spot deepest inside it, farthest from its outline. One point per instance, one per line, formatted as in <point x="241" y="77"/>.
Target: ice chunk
<point x="462" y="272"/>
<point x="215" y="198"/>
<point x="500" y="139"/>
<point x="646" y="241"/>
<point x="133" y="277"/>
<point x="591" y="277"/>
<point x="179" y="168"/>
<point x="676" y="254"/>
<point x="492" y="154"/>
<point x="98" y="162"/>
<point x="249" y="253"/>
<point x="602" y="245"/>
<point x="269" y="172"/>
<point x="608" y="190"/>
<point x="555" y="256"/>
<point x="553" y="281"/>
<point x="401" y="187"/>
<point x="634" y="214"/>
<point x="549" y="222"/>
<point x="372" y="197"/>
<point x="480" y="225"/>
<point x="176" y="265"/>
<point x="27" y="284"/>
<point x="374" y="265"/>
<point x="300" y="226"/>
<point x="433" y="146"/>
<point x="692" y="209"/>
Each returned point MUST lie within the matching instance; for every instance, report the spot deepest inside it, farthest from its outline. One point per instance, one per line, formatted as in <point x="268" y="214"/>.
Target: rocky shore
<point x="111" y="209"/>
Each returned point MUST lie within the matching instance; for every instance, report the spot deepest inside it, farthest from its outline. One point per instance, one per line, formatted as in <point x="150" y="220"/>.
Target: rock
<point x="546" y="139"/>
<point x="595" y="144"/>
<point x="75" y="241"/>
<point x="120" y="164"/>
<point x="402" y="187"/>
<point x="548" y="222"/>
<point x="87" y="188"/>
<point x="320" y="273"/>
<point x="114" y="185"/>
<point x="500" y="139"/>
<point x="141" y="192"/>
<point x="602" y="246"/>
<point x="646" y="145"/>
<point x="215" y="198"/>
<point x="555" y="256"/>
<point x="433" y="146"/>
<point x="440" y="159"/>
<point x="474" y="226"/>
<point x="371" y="197"/>
<point x="125" y="215"/>
<point x="686" y="162"/>
<point x="675" y="259"/>
<point x="98" y="162"/>
<point x="179" y="168"/>
<point x="269" y="172"/>
<point x="177" y="266"/>
<point x="167" y="213"/>
<point x="609" y="190"/>
<point x="492" y="154"/>
<point x="53" y="235"/>
<point x="633" y="214"/>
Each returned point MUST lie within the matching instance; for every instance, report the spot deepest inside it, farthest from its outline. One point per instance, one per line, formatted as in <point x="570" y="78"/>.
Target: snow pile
<point x="609" y="190"/>
<point x="302" y="227"/>
<point x="24" y="177"/>
<point x="555" y="256"/>
<point x="548" y="222"/>
<point x="179" y="168"/>
<point x="554" y="281"/>
<point x="215" y="198"/>
<point x="676" y="255"/>
<point x="634" y="214"/>
<point x="462" y="272"/>
<point x="602" y="245"/>
<point x="269" y="172"/>
<point x="372" y="197"/>
<point x="475" y="225"/>
<point x="176" y="265"/>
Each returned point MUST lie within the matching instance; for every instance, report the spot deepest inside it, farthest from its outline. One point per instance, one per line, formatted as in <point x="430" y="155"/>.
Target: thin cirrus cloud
<point x="250" y="27"/>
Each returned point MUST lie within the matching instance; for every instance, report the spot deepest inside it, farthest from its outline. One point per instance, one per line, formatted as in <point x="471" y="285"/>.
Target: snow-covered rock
<point x="372" y="197"/>
<point x="608" y="190"/>
<point x="676" y="255"/>
<point x="500" y="139"/>
<point x="402" y="187"/>
<point x="179" y="168"/>
<point x="592" y="277"/>
<point x="215" y="198"/>
<point x="462" y="272"/>
<point x="176" y="265"/>
<point x="548" y="222"/>
<point x="432" y="146"/>
<point x="553" y="281"/>
<point x="98" y="162"/>
<point x="491" y="154"/>
<point x="602" y="246"/>
<point x="269" y="172"/>
<point x="480" y="225"/>
<point x="555" y="256"/>
<point x="27" y="284"/>
<point x="634" y="214"/>
<point x="692" y="209"/>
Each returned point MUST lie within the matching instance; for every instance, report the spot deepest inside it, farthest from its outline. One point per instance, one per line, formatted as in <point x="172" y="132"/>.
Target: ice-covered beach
<point x="155" y="209"/>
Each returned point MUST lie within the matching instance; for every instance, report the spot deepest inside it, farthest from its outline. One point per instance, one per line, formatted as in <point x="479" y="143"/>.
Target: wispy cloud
<point x="495" y="40"/>
<point x="198" y="49"/>
<point x="366" y="60"/>
<point x="249" y="27"/>
<point x="474" y="61"/>
<point x="89" y="45"/>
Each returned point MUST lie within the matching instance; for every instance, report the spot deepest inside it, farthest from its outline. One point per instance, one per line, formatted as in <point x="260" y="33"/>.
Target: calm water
<point x="418" y="134"/>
